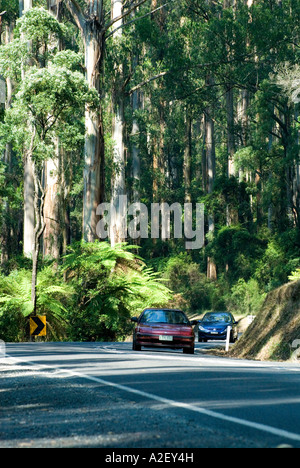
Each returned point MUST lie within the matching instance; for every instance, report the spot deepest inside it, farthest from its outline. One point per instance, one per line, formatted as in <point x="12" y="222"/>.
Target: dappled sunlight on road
<point x="99" y="391"/>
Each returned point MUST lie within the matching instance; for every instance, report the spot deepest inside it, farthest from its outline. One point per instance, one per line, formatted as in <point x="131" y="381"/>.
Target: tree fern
<point x="111" y="283"/>
<point x="53" y="297"/>
<point x="15" y="292"/>
<point x="91" y="296"/>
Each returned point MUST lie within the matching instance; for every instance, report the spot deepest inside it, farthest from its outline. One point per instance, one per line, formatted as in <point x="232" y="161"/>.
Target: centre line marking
<point x="171" y="403"/>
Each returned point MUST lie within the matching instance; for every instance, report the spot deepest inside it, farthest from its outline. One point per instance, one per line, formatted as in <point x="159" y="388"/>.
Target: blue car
<point x="214" y="326"/>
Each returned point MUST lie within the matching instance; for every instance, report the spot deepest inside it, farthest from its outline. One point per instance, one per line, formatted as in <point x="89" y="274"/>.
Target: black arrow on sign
<point x="40" y="326"/>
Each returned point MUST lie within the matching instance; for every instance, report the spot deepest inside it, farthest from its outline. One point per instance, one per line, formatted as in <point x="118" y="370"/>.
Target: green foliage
<point x="2" y="178"/>
<point x="185" y="277"/>
<point x="11" y="7"/>
<point x="288" y="77"/>
<point x="51" y="94"/>
<point x="102" y="289"/>
<point x="39" y="26"/>
<point x="111" y="284"/>
<point x="53" y="298"/>
<point x="42" y="30"/>
<point x="236" y="251"/>
<point x="15" y="292"/>
<point x="245" y="297"/>
<point x="200" y="50"/>
<point x="295" y="275"/>
<point x="68" y="59"/>
<point x="12" y="55"/>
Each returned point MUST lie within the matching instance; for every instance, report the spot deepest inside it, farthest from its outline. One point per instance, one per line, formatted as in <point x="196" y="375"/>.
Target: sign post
<point x="228" y="339"/>
<point x="2" y="349"/>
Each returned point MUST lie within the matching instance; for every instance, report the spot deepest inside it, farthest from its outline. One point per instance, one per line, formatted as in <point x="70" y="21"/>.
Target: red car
<point x="164" y="328"/>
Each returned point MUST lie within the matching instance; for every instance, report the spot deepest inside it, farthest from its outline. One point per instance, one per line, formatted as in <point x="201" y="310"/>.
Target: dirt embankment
<point x="274" y="333"/>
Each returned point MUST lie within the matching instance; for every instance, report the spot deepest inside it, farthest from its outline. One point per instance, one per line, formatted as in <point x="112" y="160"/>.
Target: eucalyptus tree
<point x="8" y="17"/>
<point x="118" y="129"/>
<point x="48" y="99"/>
<point x="90" y="17"/>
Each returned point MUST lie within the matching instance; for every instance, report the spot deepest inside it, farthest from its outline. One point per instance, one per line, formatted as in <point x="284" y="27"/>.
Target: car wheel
<point x="232" y="338"/>
<point x="136" y="347"/>
<point x="188" y="350"/>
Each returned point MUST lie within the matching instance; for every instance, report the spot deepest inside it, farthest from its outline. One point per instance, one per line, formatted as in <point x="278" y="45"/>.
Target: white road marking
<point x="54" y="371"/>
<point x="196" y="358"/>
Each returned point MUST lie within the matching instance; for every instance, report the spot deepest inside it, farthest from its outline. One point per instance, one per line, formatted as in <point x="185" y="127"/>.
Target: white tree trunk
<point x="187" y="162"/>
<point x="90" y="23"/>
<point x="94" y="137"/>
<point x="118" y="183"/>
<point x="211" y="171"/>
<point x="136" y="163"/>
<point x="52" y="209"/>
<point x="7" y="99"/>
<point x="117" y="233"/>
<point x="230" y="131"/>
<point x="29" y="215"/>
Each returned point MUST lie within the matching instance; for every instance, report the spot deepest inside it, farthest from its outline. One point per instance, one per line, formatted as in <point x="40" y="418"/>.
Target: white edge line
<point x="172" y="403"/>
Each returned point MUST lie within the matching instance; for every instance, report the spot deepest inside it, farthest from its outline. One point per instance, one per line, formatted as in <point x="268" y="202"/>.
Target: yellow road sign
<point x="38" y="325"/>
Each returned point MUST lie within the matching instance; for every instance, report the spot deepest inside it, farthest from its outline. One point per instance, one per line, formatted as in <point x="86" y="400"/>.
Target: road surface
<point x="106" y="395"/>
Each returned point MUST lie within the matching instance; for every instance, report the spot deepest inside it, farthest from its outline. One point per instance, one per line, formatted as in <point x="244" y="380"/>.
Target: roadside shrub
<point x="90" y="297"/>
<point x="185" y="278"/>
<point x="53" y="298"/>
<point x="295" y="275"/>
<point x="111" y="285"/>
<point x="245" y="297"/>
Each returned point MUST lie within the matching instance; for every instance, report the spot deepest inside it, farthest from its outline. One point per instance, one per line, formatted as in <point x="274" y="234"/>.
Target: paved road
<point x="106" y="395"/>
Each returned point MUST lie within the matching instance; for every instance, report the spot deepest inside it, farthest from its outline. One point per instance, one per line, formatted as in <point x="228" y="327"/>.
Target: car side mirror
<point x="194" y="322"/>
<point x="134" y="319"/>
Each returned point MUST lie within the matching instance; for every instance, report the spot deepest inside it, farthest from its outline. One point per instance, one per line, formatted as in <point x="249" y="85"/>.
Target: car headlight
<point x="201" y="328"/>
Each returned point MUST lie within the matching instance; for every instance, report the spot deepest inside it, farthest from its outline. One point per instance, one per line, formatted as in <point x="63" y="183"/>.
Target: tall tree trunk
<point x="5" y="235"/>
<point x="187" y="163"/>
<point x="230" y="130"/>
<point x="136" y="163"/>
<point x="39" y="225"/>
<point x="90" y="22"/>
<point x="158" y="154"/>
<point x="231" y="211"/>
<point x="51" y="244"/>
<point x="29" y="214"/>
<point x="243" y="121"/>
<point x="53" y="191"/>
<point x="211" y="172"/>
<point x="117" y="233"/>
<point x="296" y="186"/>
<point x="203" y="158"/>
<point x="39" y="197"/>
<point x="118" y="183"/>
<point x="94" y="143"/>
<point x="158" y="143"/>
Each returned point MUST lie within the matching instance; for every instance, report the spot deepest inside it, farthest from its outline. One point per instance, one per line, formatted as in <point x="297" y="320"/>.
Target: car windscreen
<point x="171" y="317"/>
<point x="217" y="317"/>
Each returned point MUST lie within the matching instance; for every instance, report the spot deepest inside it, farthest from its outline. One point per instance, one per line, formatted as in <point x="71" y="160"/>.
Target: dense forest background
<point x="186" y="101"/>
